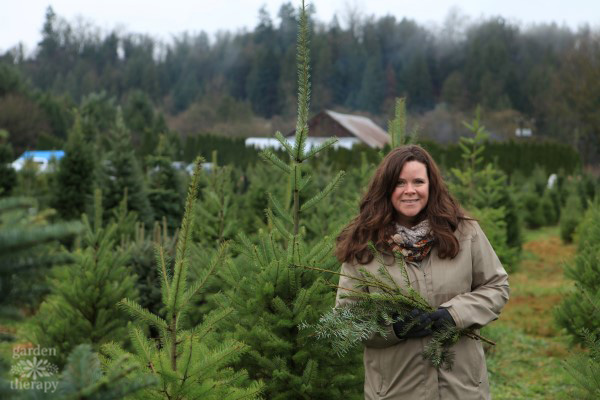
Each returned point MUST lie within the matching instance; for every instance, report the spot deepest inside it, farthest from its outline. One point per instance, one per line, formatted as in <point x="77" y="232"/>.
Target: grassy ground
<point x="527" y="361"/>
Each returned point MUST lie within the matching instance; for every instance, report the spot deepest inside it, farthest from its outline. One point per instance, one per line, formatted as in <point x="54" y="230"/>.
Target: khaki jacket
<point x="473" y="286"/>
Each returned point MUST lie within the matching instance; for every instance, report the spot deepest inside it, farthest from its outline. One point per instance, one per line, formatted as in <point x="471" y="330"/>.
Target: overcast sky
<point x="21" y="21"/>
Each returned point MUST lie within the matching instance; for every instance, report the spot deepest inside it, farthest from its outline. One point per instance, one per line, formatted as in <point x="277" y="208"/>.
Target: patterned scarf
<point x="413" y="243"/>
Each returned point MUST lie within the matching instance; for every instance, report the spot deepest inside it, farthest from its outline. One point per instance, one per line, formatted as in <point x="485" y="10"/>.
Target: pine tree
<point x="25" y="243"/>
<point x="188" y="363"/>
<point x="214" y="214"/>
<point x="585" y="368"/>
<point x="8" y="176"/>
<point x="481" y="189"/>
<point x="579" y="309"/>
<point x="82" y="306"/>
<point x="141" y="247"/>
<point x="272" y="296"/>
<point x="570" y="217"/>
<point x="75" y="178"/>
<point x="164" y="185"/>
<point x="120" y="171"/>
<point x="82" y="378"/>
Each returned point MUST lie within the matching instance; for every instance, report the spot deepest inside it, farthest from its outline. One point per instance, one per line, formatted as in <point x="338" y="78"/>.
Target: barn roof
<point x="361" y="127"/>
<point x="329" y="123"/>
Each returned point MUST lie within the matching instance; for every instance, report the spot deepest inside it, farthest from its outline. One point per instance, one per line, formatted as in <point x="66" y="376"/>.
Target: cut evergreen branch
<point x="371" y="313"/>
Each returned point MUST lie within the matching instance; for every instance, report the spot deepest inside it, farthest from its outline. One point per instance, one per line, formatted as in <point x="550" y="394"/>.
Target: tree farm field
<point x="527" y="362"/>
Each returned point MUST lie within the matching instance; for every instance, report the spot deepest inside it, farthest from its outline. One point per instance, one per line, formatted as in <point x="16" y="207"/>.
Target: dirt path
<point x="527" y="363"/>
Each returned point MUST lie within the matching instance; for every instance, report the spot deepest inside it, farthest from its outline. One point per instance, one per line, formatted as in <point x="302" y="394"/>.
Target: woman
<point x="448" y="260"/>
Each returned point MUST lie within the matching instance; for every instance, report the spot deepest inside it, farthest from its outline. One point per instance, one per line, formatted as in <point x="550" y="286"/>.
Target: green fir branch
<point x="180" y="275"/>
<point x="324" y="193"/>
<point x="142" y="314"/>
<point x="270" y="157"/>
<point x="278" y="225"/>
<point x="303" y="60"/>
<point x="284" y="142"/>
<point x="317" y="149"/>
<point x="279" y="209"/>
<point x="217" y="259"/>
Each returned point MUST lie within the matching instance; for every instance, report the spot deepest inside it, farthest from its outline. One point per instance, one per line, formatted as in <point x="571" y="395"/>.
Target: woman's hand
<point x="420" y="329"/>
<point x="438" y="319"/>
<point x="427" y="323"/>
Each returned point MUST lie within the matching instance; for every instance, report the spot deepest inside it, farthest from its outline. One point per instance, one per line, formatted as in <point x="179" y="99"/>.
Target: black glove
<point x="420" y="329"/>
<point x="438" y="319"/>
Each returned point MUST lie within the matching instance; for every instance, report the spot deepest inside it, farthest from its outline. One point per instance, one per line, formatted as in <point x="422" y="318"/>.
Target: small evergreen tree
<point x="482" y="191"/>
<point x="570" y="217"/>
<point x="579" y="309"/>
<point x="141" y="248"/>
<point x="82" y="378"/>
<point x="82" y="306"/>
<point x="272" y="296"/>
<point x="25" y="236"/>
<point x="164" y="185"/>
<point x="8" y="176"/>
<point x="214" y="214"/>
<point x="585" y="368"/>
<point x="120" y="172"/>
<point x="188" y="363"/>
<point x="75" y="178"/>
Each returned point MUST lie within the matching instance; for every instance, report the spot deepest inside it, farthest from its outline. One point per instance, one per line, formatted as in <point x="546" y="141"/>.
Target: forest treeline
<point x="542" y="76"/>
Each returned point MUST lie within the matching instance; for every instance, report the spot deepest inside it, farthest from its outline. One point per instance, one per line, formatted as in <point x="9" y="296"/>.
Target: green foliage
<point x="580" y="308"/>
<point x="270" y="295"/>
<point x="98" y="115"/>
<point x="83" y="377"/>
<point x="372" y="313"/>
<point x="82" y="305"/>
<point x="585" y="368"/>
<point x="27" y="239"/>
<point x="188" y="363"/>
<point x="120" y="173"/>
<point x="482" y="190"/>
<point x="8" y="176"/>
<point x="75" y="177"/>
<point x="570" y="217"/>
<point x="142" y="262"/>
<point x="165" y="186"/>
<point x="216" y="213"/>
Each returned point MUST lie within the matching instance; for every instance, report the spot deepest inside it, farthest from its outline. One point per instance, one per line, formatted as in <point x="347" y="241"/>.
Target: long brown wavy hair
<point x="376" y="219"/>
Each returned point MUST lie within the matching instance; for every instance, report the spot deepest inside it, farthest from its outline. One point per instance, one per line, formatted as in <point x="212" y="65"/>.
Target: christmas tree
<point x="482" y="191"/>
<point x="8" y="176"/>
<point x="271" y="295"/>
<point x="579" y="308"/>
<point x="26" y="238"/>
<point x="164" y="185"/>
<point x="188" y="362"/>
<point x="82" y="305"/>
<point x="75" y="178"/>
<point x="120" y="173"/>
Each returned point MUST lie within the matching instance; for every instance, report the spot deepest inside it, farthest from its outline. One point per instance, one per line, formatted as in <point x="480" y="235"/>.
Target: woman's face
<point x="411" y="193"/>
